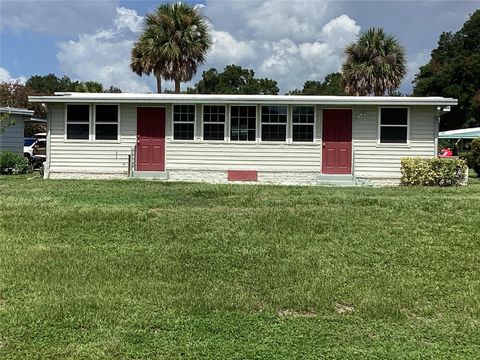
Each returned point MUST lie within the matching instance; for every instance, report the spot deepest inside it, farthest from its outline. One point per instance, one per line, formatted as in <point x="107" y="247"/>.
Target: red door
<point x="150" y="139"/>
<point x="337" y="141"/>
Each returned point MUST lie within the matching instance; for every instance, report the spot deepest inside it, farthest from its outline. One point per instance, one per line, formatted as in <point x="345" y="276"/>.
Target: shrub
<point x="468" y="157"/>
<point x="11" y="163"/>
<point x="433" y="171"/>
<point x="475" y="155"/>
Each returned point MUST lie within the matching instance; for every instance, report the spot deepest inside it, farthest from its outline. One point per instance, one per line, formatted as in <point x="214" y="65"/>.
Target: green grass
<point x="137" y="269"/>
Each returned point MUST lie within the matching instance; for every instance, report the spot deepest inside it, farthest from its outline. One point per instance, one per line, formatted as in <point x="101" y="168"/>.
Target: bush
<point x="11" y="163"/>
<point x="468" y="157"/>
<point x="433" y="171"/>
<point x="475" y="155"/>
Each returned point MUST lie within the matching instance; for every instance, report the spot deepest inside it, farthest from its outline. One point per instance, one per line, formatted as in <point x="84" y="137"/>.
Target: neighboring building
<point x="220" y="138"/>
<point x="12" y="137"/>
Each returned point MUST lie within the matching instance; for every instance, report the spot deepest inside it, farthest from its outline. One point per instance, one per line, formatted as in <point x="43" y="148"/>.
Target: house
<point x="277" y="139"/>
<point x="11" y="138"/>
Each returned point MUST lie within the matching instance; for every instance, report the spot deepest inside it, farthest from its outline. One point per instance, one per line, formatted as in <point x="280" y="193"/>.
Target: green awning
<point x="471" y="133"/>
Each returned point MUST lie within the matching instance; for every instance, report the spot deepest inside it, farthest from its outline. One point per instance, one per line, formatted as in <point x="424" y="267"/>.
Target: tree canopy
<point x="375" y="64"/>
<point x="454" y="71"/>
<point x="173" y="44"/>
<point x="331" y="85"/>
<point x="234" y="80"/>
<point x="15" y="94"/>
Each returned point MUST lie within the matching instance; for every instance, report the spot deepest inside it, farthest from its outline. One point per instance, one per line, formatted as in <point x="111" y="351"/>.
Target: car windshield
<point x="28" y="142"/>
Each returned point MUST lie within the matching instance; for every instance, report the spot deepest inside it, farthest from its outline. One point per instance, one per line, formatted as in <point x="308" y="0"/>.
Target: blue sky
<point x="289" y="41"/>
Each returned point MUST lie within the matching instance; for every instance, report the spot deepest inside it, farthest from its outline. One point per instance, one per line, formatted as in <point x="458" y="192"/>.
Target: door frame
<point x="165" y="131"/>
<point x="352" y="171"/>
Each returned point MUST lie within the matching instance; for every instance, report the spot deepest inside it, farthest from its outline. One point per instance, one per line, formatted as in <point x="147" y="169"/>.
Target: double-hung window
<point x="183" y="122"/>
<point x="274" y="123"/>
<point x="393" y="126"/>
<point x="243" y="123"/>
<point x="106" y="122"/>
<point x="303" y="123"/>
<point x="213" y="122"/>
<point x="78" y="122"/>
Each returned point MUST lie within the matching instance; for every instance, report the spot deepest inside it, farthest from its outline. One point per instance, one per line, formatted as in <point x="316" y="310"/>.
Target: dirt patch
<point x="344" y="308"/>
<point x="296" y="314"/>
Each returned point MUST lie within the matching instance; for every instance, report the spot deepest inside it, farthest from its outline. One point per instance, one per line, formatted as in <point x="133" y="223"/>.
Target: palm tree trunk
<point x="159" y="84"/>
<point x="177" y="86"/>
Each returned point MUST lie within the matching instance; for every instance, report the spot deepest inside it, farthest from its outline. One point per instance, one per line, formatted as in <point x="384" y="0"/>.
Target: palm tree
<point x="375" y="64"/>
<point x="173" y="44"/>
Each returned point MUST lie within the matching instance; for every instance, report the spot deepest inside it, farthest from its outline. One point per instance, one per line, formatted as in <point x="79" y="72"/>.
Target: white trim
<point x="184" y="122"/>
<point x="257" y="109"/>
<point x="65" y="136"/>
<point x="243" y="99"/>
<point x="383" y="144"/>
<point x="16" y="111"/>
<point x="276" y="123"/>
<point x="314" y="124"/>
<point x="94" y="122"/>
<point x="224" y="123"/>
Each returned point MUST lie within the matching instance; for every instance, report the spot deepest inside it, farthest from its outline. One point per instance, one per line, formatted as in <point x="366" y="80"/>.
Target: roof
<point x="62" y="97"/>
<point x="471" y="133"/>
<point x="16" y="111"/>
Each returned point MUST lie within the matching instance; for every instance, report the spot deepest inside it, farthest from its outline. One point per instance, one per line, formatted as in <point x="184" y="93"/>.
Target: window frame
<point x="227" y="113"/>
<point x="314" y="124"/>
<point x="65" y="138"/>
<point x="256" y="140"/>
<point x="275" y="123"/>
<point x="94" y="123"/>
<point x="184" y="122"/>
<point x="379" y="127"/>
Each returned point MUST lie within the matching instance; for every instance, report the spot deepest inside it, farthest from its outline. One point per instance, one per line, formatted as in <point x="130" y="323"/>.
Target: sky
<point x="288" y="41"/>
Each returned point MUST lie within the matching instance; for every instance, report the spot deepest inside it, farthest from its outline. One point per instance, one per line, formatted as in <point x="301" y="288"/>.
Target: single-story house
<point x="11" y="138"/>
<point x="278" y="139"/>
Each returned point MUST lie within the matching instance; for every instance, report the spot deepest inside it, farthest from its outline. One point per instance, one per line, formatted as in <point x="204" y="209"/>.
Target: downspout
<point x="46" y="164"/>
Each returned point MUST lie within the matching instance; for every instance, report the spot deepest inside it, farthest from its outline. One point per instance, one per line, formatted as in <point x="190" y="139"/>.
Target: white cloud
<point x="288" y="41"/>
<point x="5" y="76"/>
<point x="226" y="49"/>
<point x="104" y="56"/>
<point x="56" y="17"/>
<point x="292" y="63"/>
<point x="128" y="19"/>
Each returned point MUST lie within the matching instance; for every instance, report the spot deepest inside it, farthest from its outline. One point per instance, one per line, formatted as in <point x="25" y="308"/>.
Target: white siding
<point x="252" y="156"/>
<point x="107" y="157"/>
<point x="12" y="138"/>
<point x="372" y="160"/>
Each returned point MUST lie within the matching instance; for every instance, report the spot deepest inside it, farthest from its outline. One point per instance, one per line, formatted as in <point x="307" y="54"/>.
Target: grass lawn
<point x="137" y="269"/>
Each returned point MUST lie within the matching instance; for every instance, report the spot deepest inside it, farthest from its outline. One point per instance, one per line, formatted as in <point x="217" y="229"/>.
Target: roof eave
<point x="243" y="99"/>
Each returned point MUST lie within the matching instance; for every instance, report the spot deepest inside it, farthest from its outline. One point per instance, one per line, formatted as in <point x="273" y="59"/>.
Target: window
<point x="106" y="122"/>
<point x="393" y="125"/>
<point x="303" y="123"/>
<point x="274" y="123"/>
<point x="243" y="123"/>
<point x="213" y="122"/>
<point x="183" y="122"/>
<point x="78" y="122"/>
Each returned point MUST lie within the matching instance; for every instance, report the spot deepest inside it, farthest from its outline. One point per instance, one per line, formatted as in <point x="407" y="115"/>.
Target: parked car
<point x="446" y="152"/>
<point x="35" y="150"/>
